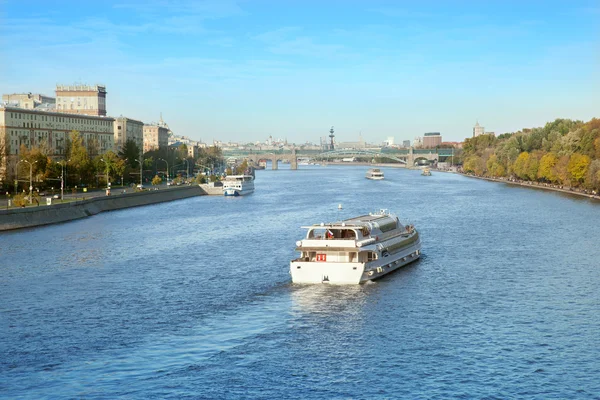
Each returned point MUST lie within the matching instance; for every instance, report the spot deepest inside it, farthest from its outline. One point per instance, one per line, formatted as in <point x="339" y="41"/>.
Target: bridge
<point x="356" y="154"/>
<point x="409" y="156"/>
<point x="274" y="158"/>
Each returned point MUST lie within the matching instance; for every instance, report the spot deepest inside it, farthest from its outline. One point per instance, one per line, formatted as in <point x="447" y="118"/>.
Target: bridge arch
<point x="420" y="160"/>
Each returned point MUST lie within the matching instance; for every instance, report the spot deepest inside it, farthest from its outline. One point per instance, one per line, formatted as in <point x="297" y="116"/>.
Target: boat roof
<point x="360" y="221"/>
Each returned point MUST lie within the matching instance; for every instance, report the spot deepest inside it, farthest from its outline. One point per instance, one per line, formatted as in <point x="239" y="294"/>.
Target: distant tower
<point x="478" y="129"/>
<point x="331" y="136"/>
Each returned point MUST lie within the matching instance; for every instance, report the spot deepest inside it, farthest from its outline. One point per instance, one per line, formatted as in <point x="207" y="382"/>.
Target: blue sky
<point x="244" y="70"/>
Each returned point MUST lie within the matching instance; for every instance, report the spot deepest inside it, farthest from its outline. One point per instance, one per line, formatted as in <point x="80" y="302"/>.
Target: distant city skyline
<point x="244" y="71"/>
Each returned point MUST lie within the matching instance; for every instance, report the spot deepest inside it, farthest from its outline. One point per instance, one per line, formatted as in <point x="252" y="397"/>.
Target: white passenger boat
<point x="375" y="174"/>
<point x="355" y="250"/>
<point x="238" y="185"/>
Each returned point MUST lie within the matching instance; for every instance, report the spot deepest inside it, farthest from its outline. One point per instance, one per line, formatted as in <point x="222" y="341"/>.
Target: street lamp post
<point x="187" y="168"/>
<point x="141" y="164"/>
<point x="30" y="179"/>
<point x="166" y="162"/>
<point x="62" y="180"/>
<point x="107" y="183"/>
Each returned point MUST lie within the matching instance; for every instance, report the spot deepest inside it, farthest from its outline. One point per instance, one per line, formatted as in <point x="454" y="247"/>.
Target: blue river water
<point x="193" y="298"/>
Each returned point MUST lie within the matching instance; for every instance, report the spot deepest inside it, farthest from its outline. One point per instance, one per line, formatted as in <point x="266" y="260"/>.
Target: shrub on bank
<point x="20" y="200"/>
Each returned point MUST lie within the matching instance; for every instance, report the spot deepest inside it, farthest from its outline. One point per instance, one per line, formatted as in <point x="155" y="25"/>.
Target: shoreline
<point x="33" y="217"/>
<point x="534" y="185"/>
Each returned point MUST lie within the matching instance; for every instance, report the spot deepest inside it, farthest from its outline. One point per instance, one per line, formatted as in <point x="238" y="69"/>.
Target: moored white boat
<point x="238" y="185"/>
<point x="375" y="174"/>
<point x="355" y="250"/>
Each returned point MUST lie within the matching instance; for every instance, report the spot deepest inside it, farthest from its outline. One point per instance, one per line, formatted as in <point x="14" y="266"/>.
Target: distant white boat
<point x="305" y="161"/>
<point x="238" y="185"/>
<point x="375" y="174"/>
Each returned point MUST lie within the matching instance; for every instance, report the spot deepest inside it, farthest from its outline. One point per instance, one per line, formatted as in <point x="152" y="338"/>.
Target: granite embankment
<point x="18" y="218"/>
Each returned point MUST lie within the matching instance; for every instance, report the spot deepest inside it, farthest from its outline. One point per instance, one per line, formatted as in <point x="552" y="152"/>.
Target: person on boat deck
<point x="329" y="234"/>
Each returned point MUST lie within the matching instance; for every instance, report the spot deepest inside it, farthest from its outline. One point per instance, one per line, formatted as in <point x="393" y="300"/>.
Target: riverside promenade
<point x="539" y="185"/>
<point x="27" y="217"/>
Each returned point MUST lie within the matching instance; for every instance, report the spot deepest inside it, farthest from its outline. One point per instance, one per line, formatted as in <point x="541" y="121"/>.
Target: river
<point x="192" y="298"/>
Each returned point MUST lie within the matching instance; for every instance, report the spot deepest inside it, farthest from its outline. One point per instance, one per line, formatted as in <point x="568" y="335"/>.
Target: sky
<point x="246" y="70"/>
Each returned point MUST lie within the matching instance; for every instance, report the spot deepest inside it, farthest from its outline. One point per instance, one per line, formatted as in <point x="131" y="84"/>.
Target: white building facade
<point x="478" y="129"/>
<point x="81" y="99"/>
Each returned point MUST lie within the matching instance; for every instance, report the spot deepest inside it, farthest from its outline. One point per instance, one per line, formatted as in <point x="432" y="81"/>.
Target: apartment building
<point x="49" y="130"/>
<point x="81" y="99"/>
<point x="155" y="137"/>
<point x="128" y="129"/>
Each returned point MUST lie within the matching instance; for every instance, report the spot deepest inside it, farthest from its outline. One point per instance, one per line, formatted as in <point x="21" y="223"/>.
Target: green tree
<point x="42" y="167"/>
<point x="156" y="180"/>
<point x="240" y="169"/>
<point x="119" y="167"/>
<point x="533" y="165"/>
<point x="592" y="179"/>
<point x="79" y="160"/>
<point x="130" y="152"/>
<point x="182" y="151"/>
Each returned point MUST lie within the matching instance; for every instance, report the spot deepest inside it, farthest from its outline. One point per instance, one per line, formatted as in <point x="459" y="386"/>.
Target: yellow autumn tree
<point x="560" y="170"/>
<point x="495" y="167"/>
<point x="577" y="168"/>
<point x="474" y="164"/>
<point x="546" y="168"/>
<point x="521" y="164"/>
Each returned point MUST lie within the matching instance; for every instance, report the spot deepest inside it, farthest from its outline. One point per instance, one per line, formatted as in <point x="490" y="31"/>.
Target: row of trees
<point x="563" y="152"/>
<point x="82" y="169"/>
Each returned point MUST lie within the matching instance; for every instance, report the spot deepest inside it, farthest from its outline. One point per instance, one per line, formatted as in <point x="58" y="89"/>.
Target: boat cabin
<point x="337" y="233"/>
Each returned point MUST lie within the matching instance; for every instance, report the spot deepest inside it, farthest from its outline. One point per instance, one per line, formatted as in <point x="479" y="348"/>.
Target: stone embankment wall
<point x="29" y="217"/>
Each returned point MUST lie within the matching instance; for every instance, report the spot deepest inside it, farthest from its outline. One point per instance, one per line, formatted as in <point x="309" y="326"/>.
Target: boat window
<point x="348" y="234"/>
<point x="313" y="235"/>
<point x="371" y="255"/>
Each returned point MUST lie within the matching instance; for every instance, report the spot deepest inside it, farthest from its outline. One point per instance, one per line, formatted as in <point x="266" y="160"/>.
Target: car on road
<point x="140" y="186"/>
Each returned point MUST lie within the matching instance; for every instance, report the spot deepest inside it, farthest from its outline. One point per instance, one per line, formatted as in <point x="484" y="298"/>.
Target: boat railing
<point x="320" y="242"/>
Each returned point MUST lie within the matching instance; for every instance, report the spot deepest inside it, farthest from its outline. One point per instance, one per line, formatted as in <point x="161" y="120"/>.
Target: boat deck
<point x="365" y="218"/>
